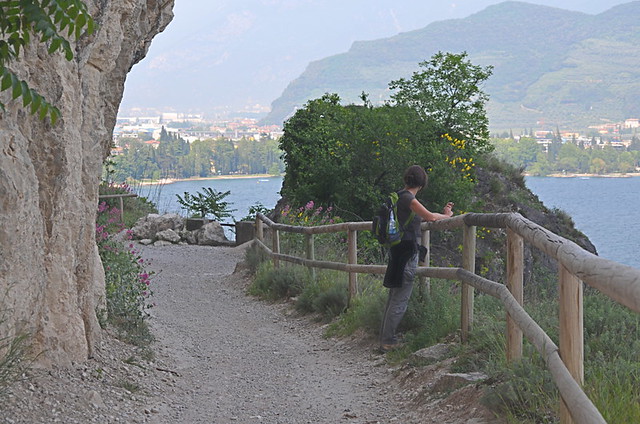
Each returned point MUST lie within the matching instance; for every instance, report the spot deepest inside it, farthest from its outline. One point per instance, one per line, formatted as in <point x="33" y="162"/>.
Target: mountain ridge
<point x="550" y="65"/>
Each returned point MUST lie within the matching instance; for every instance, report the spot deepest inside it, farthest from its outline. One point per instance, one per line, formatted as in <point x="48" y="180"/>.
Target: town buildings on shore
<point x="618" y="135"/>
<point x="191" y="127"/>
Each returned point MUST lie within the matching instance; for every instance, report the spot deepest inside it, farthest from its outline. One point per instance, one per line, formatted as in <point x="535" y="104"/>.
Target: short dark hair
<point x="415" y="176"/>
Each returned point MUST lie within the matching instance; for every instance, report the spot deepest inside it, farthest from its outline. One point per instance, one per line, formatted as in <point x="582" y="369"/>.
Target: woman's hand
<point x="448" y="209"/>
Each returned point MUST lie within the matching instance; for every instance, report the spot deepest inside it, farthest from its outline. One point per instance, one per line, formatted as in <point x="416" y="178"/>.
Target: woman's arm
<point x="419" y="209"/>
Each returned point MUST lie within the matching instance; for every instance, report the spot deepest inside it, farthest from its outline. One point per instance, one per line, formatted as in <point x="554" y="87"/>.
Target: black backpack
<point x="386" y="226"/>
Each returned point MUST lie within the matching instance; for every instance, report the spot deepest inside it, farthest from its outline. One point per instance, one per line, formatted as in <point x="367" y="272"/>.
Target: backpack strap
<point x="412" y="214"/>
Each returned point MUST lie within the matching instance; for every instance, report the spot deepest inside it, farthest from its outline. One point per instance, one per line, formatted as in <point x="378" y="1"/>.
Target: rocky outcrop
<point x="149" y="226"/>
<point x="170" y="229"/>
<point x="51" y="279"/>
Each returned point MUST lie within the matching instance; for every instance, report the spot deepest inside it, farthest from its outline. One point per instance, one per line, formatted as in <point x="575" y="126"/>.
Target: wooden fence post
<point x="311" y="254"/>
<point x="259" y="229"/>
<point x="121" y="210"/>
<point x="425" y="240"/>
<point x="515" y="275"/>
<point x="571" y="332"/>
<point x="352" y="242"/>
<point x="468" y="263"/>
<point x="276" y="246"/>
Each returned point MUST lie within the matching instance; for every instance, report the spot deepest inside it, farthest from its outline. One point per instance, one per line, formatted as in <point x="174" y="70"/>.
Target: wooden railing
<point x="565" y="363"/>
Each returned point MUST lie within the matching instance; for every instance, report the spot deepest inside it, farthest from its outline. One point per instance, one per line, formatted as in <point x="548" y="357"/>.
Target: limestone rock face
<point x="51" y="278"/>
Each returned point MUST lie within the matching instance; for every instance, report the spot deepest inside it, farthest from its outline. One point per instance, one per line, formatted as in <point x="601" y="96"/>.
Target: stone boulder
<point x="453" y="381"/>
<point x="149" y="226"/>
<point x="211" y="234"/>
<point x="168" y="235"/>
<point x="434" y="353"/>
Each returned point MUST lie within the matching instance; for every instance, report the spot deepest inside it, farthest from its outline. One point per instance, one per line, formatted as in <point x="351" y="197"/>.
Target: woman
<point x="403" y="258"/>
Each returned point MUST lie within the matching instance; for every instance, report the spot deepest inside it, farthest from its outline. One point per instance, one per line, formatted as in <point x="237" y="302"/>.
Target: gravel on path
<point x="241" y="360"/>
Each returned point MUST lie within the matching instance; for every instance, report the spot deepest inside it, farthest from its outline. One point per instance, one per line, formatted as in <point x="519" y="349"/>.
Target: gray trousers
<point x="397" y="303"/>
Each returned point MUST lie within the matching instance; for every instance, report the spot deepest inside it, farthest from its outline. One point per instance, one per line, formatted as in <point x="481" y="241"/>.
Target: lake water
<point x="245" y="192"/>
<point x="607" y="210"/>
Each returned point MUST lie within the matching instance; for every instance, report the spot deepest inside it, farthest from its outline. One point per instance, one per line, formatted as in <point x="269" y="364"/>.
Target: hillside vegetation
<point x="550" y="65"/>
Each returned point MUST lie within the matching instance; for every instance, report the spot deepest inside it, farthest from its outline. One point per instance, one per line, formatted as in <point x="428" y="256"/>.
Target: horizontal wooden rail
<point x="114" y="196"/>
<point x="619" y="282"/>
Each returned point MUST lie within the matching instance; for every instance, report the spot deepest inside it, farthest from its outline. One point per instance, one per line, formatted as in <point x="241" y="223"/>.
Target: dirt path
<point x="223" y="357"/>
<point x="241" y="360"/>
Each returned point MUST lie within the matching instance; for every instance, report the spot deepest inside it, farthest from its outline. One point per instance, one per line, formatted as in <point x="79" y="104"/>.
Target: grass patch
<point x="129" y="386"/>
<point x="253" y="257"/>
<point x="365" y="312"/>
<point x="278" y="283"/>
<point x="13" y="354"/>
<point x="524" y="392"/>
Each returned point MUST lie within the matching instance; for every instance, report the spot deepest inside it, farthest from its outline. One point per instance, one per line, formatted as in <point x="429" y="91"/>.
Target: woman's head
<point x="415" y="176"/>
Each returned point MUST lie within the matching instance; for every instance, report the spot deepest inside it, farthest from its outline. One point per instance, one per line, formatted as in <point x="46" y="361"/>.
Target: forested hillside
<point x="550" y="65"/>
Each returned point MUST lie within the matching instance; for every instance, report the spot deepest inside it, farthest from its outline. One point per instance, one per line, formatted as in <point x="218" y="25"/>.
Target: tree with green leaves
<point x="448" y="93"/>
<point x="47" y="21"/>
<point x="350" y="157"/>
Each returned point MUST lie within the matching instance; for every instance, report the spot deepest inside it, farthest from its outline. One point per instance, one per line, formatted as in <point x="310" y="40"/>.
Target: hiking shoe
<point x="389" y="347"/>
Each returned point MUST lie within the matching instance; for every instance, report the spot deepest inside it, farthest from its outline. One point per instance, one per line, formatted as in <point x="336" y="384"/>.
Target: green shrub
<point x="310" y="292"/>
<point x="208" y="203"/>
<point x="254" y="256"/>
<point x="254" y="210"/>
<point x="278" y="283"/>
<point x="332" y="302"/>
<point x="327" y="295"/>
<point x="365" y="311"/>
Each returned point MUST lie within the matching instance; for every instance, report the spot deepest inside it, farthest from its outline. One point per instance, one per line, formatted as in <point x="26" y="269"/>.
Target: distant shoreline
<point x="572" y="175"/>
<point x="164" y="181"/>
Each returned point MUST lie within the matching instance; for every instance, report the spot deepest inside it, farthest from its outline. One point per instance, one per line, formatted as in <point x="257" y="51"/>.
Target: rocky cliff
<point x="51" y="279"/>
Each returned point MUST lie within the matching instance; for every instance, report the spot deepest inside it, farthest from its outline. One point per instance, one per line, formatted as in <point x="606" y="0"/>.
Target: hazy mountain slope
<point x="561" y="67"/>
<point x="226" y="55"/>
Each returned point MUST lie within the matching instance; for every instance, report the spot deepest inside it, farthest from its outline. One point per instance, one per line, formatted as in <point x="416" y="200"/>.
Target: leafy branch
<point x="47" y="20"/>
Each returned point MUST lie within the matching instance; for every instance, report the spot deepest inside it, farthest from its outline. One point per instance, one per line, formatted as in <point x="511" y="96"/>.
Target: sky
<point x="219" y="57"/>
